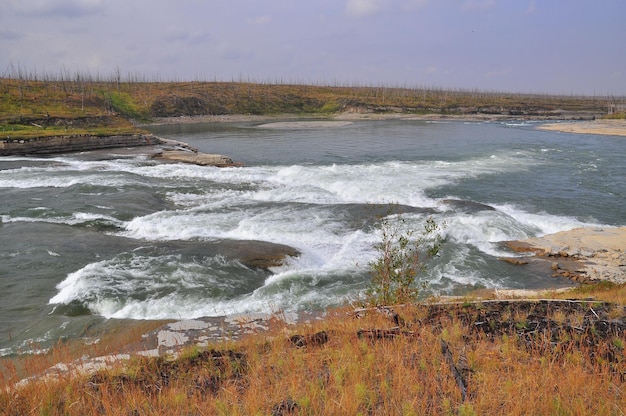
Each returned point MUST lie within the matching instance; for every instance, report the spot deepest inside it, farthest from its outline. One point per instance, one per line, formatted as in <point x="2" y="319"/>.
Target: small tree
<point x="401" y="258"/>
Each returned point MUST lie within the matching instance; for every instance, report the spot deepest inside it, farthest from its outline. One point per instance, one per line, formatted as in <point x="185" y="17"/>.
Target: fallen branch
<point x="460" y="380"/>
<point x="391" y="333"/>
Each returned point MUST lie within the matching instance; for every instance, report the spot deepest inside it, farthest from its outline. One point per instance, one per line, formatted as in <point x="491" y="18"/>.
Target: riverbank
<point x="470" y="357"/>
<point x="87" y="142"/>
<point x="74" y="143"/>
<point x="601" y="127"/>
<point x="355" y="115"/>
<point x="582" y="254"/>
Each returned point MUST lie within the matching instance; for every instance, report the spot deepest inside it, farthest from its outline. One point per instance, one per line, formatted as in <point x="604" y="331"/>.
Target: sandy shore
<point x="335" y="118"/>
<point x="604" y="127"/>
<point x="582" y="254"/>
<point x="317" y="124"/>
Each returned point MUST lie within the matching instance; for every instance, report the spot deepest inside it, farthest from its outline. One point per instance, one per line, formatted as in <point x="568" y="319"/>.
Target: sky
<point x="534" y="46"/>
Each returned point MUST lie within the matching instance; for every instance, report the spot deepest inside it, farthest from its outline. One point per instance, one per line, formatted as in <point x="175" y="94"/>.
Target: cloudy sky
<point x="545" y="46"/>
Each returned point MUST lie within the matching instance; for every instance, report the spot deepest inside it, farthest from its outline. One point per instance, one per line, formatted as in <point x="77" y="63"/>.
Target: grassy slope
<point x="351" y="371"/>
<point x="36" y="108"/>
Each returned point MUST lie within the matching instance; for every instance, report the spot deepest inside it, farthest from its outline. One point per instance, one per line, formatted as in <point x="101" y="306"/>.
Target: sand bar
<point x="603" y="127"/>
<point x="317" y="124"/>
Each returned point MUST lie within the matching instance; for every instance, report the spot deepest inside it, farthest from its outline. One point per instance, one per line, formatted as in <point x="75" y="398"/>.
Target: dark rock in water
<point x="74" y="308"/>
<point x="197" y="158"/>
<point x="259" y="254"/>
<point x="251" y="253"/>
<point x="366" y="215"/>
<point x="468" y="206"/>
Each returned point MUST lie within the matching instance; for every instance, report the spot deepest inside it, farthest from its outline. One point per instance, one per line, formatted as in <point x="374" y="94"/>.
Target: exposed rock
<point x="261" y="254"/>
<point x="68" y="144"/>
<point x="197" y="158"/>
<point x="582" y="254"/>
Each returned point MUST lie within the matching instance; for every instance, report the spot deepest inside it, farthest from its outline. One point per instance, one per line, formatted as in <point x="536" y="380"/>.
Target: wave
<point x="77" y="218"/>
<point x="170" y="287"/>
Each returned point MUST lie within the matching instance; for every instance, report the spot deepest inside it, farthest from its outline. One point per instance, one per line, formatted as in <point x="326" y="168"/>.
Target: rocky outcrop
<point x="582" y="254"/>
<point x="76" y="143"/>
<point x="196" y="158"/>
<point x="259" y="254"/>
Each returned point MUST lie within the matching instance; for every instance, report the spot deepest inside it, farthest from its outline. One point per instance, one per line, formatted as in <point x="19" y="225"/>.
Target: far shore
<point x="356" y="116"/>
<point x="601" y="127"/>
<point x="565" y="125"/>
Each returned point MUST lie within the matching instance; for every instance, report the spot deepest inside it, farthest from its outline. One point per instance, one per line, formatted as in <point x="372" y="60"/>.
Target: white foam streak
<point x="541" y="223"/>
<point x="76" y="218"/>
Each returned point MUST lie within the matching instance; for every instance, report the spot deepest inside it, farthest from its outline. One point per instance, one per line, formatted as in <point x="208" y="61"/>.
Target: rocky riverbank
<point x="582" y="255"/>
<point x="163" y="150"/>
<point x="76" y="143"/>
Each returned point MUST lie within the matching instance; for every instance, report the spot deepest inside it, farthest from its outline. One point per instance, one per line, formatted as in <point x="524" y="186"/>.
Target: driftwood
<point x="460" y="378"/>
<point x="377" y="334"/>
<point x="383" y="310"/>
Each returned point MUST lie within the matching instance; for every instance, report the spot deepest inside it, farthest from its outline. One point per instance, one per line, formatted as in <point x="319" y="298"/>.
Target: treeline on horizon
<point x="38" y="98"/>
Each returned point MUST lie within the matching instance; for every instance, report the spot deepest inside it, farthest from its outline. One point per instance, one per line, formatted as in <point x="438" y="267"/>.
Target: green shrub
<point x="402" y="256"/>
<point x="330" y="107"/>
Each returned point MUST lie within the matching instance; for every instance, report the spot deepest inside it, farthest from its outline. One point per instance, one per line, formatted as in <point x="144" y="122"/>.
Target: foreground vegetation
<point x="33" y="105"/>
<point x="490" y="357"/>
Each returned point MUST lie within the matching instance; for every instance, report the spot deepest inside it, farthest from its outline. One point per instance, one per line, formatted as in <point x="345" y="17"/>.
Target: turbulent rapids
<point x="104" y="235"/>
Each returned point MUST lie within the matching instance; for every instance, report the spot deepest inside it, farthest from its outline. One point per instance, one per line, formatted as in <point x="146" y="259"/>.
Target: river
<point x="102" y="237"/>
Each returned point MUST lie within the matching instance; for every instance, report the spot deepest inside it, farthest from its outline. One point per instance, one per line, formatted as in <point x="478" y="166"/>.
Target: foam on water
<point x="541" y="223"/>
<point x="65" y="173"/>
<point x="321" y="192"/>
<point x="299" y="206"/>
<point x="76" y="218"/>
<point x="167" y="287"/>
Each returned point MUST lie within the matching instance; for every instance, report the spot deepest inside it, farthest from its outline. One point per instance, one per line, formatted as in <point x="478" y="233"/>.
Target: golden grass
<point x="338" y="367"/>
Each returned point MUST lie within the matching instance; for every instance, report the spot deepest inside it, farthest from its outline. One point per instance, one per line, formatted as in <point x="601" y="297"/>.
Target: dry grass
<point x="514" y="363"/>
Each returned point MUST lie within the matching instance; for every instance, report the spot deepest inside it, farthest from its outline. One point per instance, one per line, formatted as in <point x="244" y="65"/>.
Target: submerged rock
<point x="259" y="254"/>
<point x="468" y="206"/>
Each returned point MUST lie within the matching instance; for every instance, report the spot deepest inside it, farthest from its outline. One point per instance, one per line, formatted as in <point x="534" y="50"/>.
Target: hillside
<point x="81" y="105"/>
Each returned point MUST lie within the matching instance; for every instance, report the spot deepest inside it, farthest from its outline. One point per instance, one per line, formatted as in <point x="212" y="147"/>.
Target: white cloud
<point x="360" y="8"/>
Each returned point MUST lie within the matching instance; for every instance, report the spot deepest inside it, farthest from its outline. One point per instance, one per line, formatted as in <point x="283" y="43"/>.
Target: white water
<point x="132" y="238"/>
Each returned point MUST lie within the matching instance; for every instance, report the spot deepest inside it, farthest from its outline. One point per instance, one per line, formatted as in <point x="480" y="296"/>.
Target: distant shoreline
<point x="573" y="124"/>
<point x="60" y="145"/>
<point x="601" y="127"/>
<point x="355" y="116"/>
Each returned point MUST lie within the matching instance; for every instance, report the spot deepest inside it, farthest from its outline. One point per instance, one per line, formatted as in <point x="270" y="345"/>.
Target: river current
<point x="102" y="236"/>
